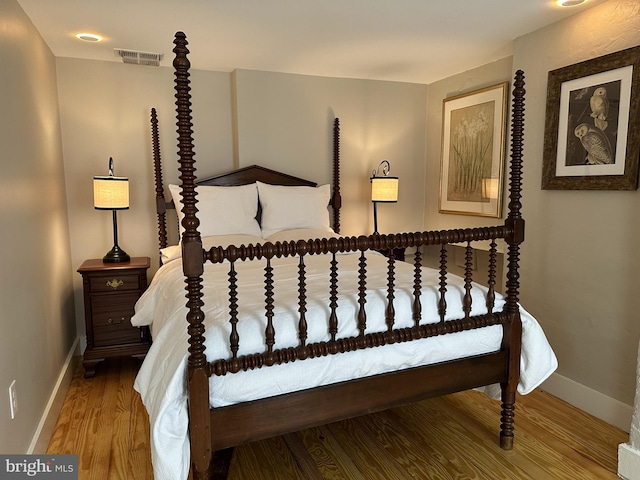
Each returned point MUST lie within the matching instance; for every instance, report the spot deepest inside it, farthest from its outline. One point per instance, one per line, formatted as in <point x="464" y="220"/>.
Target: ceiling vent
<point x="138" y="58"/>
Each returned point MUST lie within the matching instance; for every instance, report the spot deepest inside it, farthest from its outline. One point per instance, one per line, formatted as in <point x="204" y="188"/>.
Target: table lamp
<point x="383" y="189"/>
<point x="112" y="193"/>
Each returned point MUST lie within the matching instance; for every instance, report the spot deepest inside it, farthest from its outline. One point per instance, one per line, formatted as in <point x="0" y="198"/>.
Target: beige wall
<point x="580" y="260"/>
<point x="36" y="298"/>
<point x="285" y="122"/>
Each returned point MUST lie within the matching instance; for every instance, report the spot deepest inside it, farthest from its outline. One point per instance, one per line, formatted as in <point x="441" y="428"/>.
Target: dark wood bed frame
<point x="214" y="432"/>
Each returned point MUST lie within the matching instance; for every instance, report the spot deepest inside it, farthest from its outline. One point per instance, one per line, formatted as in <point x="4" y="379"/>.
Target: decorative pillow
<point x="223" y="210"/>
<point x="288" y="208"/>
<point x="301" y="234"/>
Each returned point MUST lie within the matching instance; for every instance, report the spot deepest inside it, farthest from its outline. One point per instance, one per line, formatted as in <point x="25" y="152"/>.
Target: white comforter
<point x="162" y="377"/>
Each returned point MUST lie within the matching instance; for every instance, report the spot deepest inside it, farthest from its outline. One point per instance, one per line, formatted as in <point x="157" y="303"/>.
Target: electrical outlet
<point x="13" y="399"/>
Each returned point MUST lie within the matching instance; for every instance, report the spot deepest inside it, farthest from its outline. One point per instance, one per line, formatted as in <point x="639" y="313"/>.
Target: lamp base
<point x="115" y="255"/>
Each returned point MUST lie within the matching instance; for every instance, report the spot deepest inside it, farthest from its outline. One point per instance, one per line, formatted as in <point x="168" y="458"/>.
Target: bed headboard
<point x="255" y="173"/>
<point x="242" y="176"/>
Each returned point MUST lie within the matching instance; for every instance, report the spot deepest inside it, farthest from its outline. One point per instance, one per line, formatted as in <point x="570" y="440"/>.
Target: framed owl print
<point x="592" y="128"/>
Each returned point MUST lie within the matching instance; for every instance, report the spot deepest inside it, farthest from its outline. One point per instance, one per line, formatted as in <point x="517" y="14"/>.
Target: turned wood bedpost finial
<point x="337" y="199"/>
<point x="514" y="221"/>
<point x="192" y="264"/>
<point x="517" y="136"/>
<point x="161" y="208"/>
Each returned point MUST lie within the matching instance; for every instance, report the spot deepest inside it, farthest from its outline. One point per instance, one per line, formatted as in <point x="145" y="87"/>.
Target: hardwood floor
<point x="451" y="437"/>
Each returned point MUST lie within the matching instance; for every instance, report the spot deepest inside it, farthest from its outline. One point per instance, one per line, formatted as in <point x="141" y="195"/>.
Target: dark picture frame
<point x="592" y="135"/>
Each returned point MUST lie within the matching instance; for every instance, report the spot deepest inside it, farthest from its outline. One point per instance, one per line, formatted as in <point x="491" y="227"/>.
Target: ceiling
<point x="416" y="41"/>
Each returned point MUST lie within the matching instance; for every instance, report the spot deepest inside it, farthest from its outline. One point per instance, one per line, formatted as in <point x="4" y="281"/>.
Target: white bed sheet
<point x="162" y="377"/>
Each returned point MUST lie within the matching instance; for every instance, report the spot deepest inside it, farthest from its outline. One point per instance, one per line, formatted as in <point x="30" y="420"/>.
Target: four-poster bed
<point x="306" y="332"/>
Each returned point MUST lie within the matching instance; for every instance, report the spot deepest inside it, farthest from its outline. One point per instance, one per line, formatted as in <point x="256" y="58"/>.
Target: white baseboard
<point x="51" y="412"/>
<point x="628" y="462"/>
<point x="591" y="401"/>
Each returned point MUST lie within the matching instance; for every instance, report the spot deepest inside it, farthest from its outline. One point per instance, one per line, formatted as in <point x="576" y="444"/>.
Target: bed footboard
<point x="304" y="251"/>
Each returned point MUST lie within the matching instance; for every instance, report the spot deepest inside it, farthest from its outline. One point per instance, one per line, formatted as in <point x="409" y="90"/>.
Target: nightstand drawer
<point x="120" y="334"/>
<point x="113" y="310"/>
<point x="114" y="283"/>
<point x="112" y="320"/>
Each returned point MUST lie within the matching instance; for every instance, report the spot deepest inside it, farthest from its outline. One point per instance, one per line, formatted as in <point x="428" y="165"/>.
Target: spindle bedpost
<point x="161" y="207"/>
<point x="192" y="261"/>
<point x="336" y="199"/>
<point x="514" y="223"/>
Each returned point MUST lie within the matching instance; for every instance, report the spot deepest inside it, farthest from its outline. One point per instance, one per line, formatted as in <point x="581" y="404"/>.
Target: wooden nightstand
<point x="110" y="293"/>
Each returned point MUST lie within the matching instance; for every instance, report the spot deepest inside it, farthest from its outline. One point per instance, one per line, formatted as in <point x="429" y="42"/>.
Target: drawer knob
<point x="115" y="283"/>
<point x="111" y="321"/>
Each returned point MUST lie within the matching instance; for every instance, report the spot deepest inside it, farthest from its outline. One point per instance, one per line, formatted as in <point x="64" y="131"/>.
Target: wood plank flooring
<point x="104" y="422"/>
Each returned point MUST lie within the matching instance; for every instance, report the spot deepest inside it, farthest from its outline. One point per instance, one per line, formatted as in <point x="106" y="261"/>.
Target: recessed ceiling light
<point x="569" y="3"/>
<point x="89" y="37"/>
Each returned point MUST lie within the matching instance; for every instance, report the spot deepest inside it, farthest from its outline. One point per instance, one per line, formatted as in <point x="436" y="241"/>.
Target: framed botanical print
<point x="592" y="136"/>
<point x="473" y="144"/>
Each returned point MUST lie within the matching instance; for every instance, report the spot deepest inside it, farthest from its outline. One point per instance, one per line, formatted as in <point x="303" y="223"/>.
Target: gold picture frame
<point x="473" y="146"/>
<point x="592" y="139"/>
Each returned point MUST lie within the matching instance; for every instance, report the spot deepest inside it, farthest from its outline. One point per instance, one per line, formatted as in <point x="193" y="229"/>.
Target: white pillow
<point x="301" y="234"/>
<point x="287" y="208"/>
<point x="223" y="210"/>
<point x="170" y="253"/>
